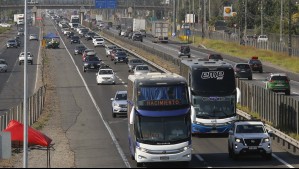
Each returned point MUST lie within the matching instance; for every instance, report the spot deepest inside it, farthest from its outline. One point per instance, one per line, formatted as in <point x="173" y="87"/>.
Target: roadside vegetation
<point x="2" y="30"/>
<point x="246" y="52"/>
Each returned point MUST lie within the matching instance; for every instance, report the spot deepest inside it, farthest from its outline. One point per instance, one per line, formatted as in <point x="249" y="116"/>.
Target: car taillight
<point x="287" y="81"/>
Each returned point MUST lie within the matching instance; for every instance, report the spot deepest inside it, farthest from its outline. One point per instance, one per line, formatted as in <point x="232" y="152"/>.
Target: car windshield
<point x="99" y="39"/>
<point x="11" y="41"/>
<point x="92" y="58"/>
<point x="111" y="47"/>
<point x="243" y="66"/>
<point x="142" y="68"/>
<point x="255" y="61"/>
<point x="215" y="57"/>
<point x="2" y="62"/>
<point x="121" y="54"/>
<point x="121" y="96"/>
<point x="250" y="129"/>
<point x="137" y="61"/>
<point x="105" y="72"/>
<point x="80" y="47"/>
<point x="75" y="37"/>
<point x="282" y="78"/>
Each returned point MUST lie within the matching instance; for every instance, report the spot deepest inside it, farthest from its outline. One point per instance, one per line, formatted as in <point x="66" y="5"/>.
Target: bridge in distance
<point x="77" y="4"/>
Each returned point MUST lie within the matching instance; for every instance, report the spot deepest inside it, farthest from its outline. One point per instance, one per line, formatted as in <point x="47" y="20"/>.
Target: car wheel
<point x="84" y="70"/>
<point x="250" y="78"/>
<point x="5" y="70"/>
<point x="288" y="92"/>
<point x="189" y="56"/>
<point x="115" y="63"/>
<point x="31" y="62"/>
<point x="20" y="63"/>
<point x="261" y="71"/>
<point x="113" y="115"/>
<point x="129" y="71"/>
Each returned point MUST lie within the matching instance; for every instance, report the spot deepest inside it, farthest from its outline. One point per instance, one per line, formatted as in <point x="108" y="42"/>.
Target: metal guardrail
<point x="35" y="106"/>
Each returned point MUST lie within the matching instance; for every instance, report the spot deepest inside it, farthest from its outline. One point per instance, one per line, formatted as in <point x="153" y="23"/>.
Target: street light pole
<point x="25" y="142"/>
<point x="245" y="30"/>
<point x="174" y="17"/>
<point x="290" y="28"/>
<point x="281" y="19"/>
<point x="262" y="22"/>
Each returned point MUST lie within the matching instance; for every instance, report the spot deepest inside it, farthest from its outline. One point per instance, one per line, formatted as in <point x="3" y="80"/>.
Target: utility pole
<point x="25" y="142"/>
<point x="204" y="18"/>
<point x="245" y="30"/>
<point x="262" y="22"/>
<point x="281" y="19"/>
<point x="174" y="17"/>
<point x="290" y="28"/>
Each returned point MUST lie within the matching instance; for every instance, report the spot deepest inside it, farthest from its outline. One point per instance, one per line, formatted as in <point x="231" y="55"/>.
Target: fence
<point x="280" y="110"/>
<point x="35" y="107"/>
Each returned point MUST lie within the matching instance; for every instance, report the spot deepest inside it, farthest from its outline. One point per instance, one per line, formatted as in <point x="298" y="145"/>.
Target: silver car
<point x="119" y="103"/>
<point x="141" y="69"/>
<point x="3" y="65"/>
<point x="33" y="37"/>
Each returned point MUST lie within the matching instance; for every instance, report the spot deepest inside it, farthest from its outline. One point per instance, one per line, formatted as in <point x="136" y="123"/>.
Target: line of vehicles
<point x="165" y="110"/>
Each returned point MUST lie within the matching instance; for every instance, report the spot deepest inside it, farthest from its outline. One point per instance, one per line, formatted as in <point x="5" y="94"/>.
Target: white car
<point x="105" y="76"/>
<point x="29" y="58"/>
<point x="3" y="65"/>
<point x="33" y="37"/>
<point x="96" y="37"/>
<point x="141" y="69"/>
<point x="5" y="25"/>
<point x="119" y="104"/>
<point x="99" y="42"/>
<point x="66" y="31"/>
<point x="109" y="48"/>
<point x="249" y="137"/>
<point x="122" y="33"/>
<point x="262" y="38"/>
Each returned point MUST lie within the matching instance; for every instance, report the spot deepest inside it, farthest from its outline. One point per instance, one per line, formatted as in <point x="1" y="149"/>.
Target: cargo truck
<point x="139" y="24"/>
<point x="160" y="31"/>
<point x="19" y="19"/>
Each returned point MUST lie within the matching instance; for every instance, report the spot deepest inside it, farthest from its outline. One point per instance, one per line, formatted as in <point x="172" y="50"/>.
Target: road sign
<point x="105" y="4"/>
<point x="188" y="32"/>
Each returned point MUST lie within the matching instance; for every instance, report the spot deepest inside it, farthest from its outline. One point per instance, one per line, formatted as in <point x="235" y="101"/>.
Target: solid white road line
<point x="282" y="161"/>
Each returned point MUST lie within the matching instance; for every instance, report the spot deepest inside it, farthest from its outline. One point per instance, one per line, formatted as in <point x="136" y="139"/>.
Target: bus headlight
<point x="143" y="149"/>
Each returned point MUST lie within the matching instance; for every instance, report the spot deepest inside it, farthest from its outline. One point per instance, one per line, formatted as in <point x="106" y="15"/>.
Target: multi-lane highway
<point x="12" y="82"/>
<point x="99" y="140"/>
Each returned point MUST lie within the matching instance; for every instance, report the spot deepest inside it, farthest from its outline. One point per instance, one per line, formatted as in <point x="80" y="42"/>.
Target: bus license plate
<point x="164" y="158"/>
<point x="252" y="148"/>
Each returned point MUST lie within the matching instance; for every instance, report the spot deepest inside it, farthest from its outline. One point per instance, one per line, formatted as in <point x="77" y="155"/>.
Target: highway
<point x="258" y="78"/>
<point x="12" y="82"/>
<point x="86" y="116"/>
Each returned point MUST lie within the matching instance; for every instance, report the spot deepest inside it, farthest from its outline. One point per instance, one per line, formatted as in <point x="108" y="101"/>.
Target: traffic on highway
<point x="119" y="107"/>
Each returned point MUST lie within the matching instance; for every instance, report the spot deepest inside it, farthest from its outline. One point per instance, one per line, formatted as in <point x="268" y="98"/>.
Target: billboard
<point x="105" y="4"/>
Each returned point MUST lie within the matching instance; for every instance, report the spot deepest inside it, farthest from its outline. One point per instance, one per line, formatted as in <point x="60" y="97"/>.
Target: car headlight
<point x="86" y="64"/>
<point x="266" y="140"/>
<point x="116" y="57"/>
<point x="239" y="140"/>
<point x="116" y="105"/>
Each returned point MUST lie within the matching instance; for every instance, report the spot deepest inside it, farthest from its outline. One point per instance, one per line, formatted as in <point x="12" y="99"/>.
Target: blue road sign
<point x="188" y="32"/>
<point x="105" y="4"/>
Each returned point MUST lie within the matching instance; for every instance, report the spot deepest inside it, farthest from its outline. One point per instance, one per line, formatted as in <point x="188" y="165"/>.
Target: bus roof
<point x="200" y="63"/>
<point x="158" y="78"/>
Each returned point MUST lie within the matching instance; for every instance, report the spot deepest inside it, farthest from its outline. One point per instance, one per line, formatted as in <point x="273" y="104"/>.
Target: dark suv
<point x="185" y="51"/>
<point x="256" y="64"/>
<point x="121" y="57"/>
<point x="243" y="70"/>
<point x="89" y="36"/>
<point x="91" y="62"/>
<point x="137" y="37"/>
<point x="79" y="49"/>
<point x="75" y="39"/>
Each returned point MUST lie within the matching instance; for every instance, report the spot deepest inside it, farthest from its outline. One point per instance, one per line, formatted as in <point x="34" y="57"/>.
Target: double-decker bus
<point x="213" y="95"/>
<point x="159" y="118"/>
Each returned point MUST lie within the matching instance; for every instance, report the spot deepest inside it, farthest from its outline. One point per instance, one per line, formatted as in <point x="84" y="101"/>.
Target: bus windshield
<point x="162" y="97"/>
<point x="166" y="130"/>
<point x="214" y="107"/>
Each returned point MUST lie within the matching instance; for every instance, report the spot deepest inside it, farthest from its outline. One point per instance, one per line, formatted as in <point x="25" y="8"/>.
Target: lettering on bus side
<point x="219" y="75"/>
<point x="162" y="102"/>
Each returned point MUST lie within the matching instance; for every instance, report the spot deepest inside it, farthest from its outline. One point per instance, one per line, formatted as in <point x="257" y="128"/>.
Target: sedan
<point x="12" y="44"/>
<point x="105" y="76"/>
<point x="119" y="103"/>
<point x="3" y="65"/>
<point x="79" y="49"/>
<point x="99" y="42"/>
<point x="75" y="39"/>
<point x="33" y="37"/>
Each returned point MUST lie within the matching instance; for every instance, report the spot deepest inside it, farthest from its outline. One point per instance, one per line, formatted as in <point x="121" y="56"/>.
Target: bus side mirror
<point x="238" y="95"/>
<point x="193" y="114"/>
<point x="132" y="115"/>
